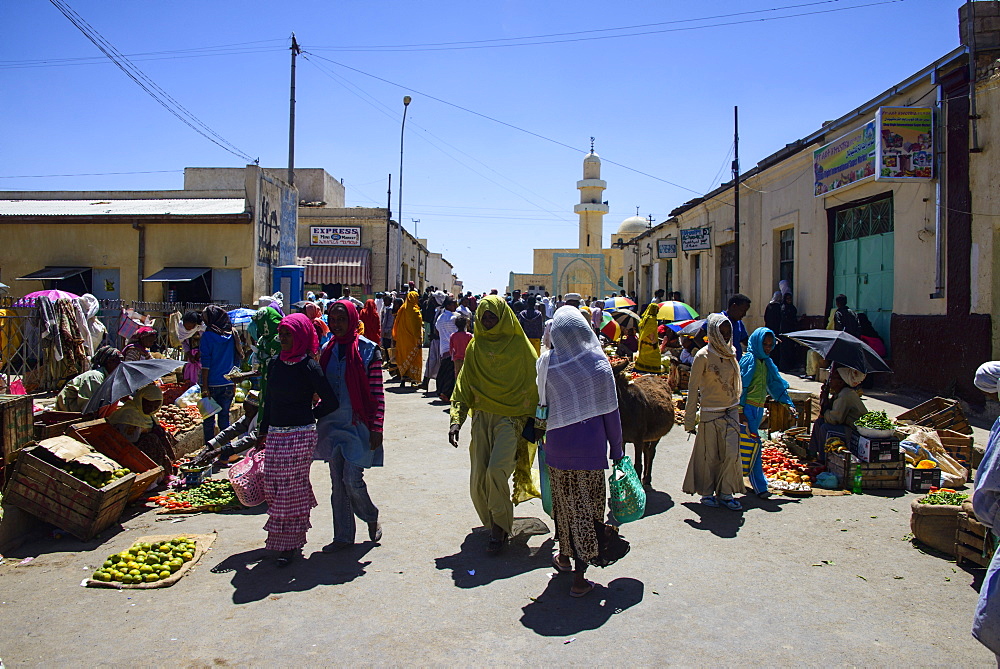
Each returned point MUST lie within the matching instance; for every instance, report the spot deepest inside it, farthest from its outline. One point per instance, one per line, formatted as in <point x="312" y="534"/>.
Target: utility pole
<point x="399" y="185"/>
<point x="291" y="116"/>
<point x="388" y="229"/>
<point x="736" y="195"/>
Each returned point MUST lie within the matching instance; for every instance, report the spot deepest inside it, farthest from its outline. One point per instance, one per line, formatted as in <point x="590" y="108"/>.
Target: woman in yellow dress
<point x="649" y="361"/>
<point x="408" y="331"/>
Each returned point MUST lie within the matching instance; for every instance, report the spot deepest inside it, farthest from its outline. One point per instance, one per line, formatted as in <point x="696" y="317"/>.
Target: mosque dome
<point x="592" y="158"/>
<point x="633" y="225"/>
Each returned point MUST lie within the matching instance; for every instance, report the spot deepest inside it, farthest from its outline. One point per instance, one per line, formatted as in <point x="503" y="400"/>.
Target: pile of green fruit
<point x="876" y="420"/>
<point x="242" y="389"/>
<point x="211" y="492"/>
<point x="146" y="563"/>
<point x="92" y="476"/>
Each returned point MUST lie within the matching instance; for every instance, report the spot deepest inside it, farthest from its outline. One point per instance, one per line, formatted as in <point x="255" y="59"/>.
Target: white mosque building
<point x="590" y="269"/>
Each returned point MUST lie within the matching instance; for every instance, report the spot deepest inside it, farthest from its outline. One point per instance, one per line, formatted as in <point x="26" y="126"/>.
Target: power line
<point x="513" y="41"/>
<point x="236" y="48"/>
<point x="147" y="84"/>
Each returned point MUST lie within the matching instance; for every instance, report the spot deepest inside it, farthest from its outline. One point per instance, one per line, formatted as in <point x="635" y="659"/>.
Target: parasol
<point x="675" y="311"/>
<point x="610" y="328"/>
<point x="618" y="303"/>
<point x="128" y="378"/>
<point x="844" y="349"/>
<point x="51" y="295"/>
<point x="241" y="316"/>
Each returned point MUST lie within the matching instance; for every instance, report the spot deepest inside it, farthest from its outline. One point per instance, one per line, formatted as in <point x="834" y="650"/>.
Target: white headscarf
<point x="776" y="298"/>
<point x="988" y="376"/>
<point x="91" y="306"/>
<point x="784" y="287"/>
<point x="851" y="377"/>
<point x="574" y="377"/>
<point x="724" y="349"/>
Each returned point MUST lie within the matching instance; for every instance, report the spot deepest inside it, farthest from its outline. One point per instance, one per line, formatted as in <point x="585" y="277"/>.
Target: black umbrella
<point x="844" y="349"/>
<point x="127" y="379"/>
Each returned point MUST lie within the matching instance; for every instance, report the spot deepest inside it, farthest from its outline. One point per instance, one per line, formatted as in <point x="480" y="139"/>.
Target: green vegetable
<point x="942" y="497"/>
<point x="213" y="492"/>
<point x="876" y="420"/>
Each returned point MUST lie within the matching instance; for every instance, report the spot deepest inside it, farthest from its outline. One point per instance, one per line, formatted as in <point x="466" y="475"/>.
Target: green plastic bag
<point x="628" y="498"/>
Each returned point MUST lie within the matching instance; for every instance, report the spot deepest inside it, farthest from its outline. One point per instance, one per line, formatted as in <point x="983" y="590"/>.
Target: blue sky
<point x="485" y="193"/>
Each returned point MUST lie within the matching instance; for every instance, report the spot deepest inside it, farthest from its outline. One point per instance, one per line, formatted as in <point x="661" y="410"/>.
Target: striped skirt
<point x="289" y="495"/>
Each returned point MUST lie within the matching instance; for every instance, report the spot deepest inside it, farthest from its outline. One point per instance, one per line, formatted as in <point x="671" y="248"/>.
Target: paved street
<point x="701" y="587"/>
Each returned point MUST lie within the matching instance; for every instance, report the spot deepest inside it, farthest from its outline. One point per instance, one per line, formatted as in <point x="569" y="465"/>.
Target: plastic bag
<point x="208" y="407"/>
<point x="953" y="475"/>
<point x="189" y="397"/>
<point x="827" y="480"/>
<point x="627" y="498"/>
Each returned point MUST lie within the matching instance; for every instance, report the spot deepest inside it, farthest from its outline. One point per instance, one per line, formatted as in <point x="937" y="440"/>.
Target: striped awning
<point x="350" y="266"/>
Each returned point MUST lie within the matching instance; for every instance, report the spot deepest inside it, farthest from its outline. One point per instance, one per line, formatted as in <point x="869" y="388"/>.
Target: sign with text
<point x="334" y="236"/>
<point x="845" y="161"/>
<point x="696" y="239"/>
<point x="666" y="248"/>
<point x="906" y="144"/>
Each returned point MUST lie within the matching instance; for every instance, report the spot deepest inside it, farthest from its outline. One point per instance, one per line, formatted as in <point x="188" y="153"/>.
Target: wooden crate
<point x="973" y="542"/>
<point x="780" y="418"/>
<point x="54" y="423"/>
<point x="108" y="441"/>
<point x="874" y="475"/>
<point x="56" y="497"/>
<point x="15" y="424"/>
<point x="940" y="413"/>
<point x="958" y="445"/>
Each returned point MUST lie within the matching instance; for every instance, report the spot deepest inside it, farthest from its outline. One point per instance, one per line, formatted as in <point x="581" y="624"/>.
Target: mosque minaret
<point x="592" y="208"/>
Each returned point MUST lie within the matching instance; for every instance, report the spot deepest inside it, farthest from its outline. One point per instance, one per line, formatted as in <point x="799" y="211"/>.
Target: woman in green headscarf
<point x="266" y="322"/>
<point x="497" y="383"/>
<point x="648" y="360"/>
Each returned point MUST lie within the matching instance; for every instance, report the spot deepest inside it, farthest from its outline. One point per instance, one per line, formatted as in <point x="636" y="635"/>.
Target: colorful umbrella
<point x="680" y="325"/>
<point x="618" y="303"/>
<point x="610" y="328"/>
<point x="51" y="295"/>
<point x="675" y="311"/>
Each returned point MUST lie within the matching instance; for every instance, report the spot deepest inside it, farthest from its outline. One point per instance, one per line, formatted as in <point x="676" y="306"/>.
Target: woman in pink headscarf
<point x="350" y="438"/>
<point x="288" y="433"/>
<point x="315" y="314"/>
<point x="139" y="343"/>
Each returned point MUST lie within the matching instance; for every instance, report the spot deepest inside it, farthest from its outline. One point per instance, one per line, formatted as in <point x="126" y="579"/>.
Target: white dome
<point x="592" y="158"/>
<point x="633" y="225"/>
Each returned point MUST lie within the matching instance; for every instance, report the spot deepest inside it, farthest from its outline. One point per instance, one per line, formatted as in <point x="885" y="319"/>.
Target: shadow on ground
<point x="555" y="613"/>
<point x="256" y="576"/>
<point x="719" y="521"/>
<point x="657" y="502"/>
<point x="472" y="566"/>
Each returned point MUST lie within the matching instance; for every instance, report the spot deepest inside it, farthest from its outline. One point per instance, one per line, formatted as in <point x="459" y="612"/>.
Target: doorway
<point x="863" y="247"/>
<point x="697" y="283"/>
<point x="727" y="273"/>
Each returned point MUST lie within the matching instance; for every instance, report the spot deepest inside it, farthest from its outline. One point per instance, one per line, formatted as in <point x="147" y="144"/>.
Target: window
<point x="786" y="261"/>
<point x="874" y="218"/>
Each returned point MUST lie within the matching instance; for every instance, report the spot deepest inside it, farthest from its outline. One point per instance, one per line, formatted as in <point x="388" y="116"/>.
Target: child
<point x="459" y="342"/>
<point x="690" y="348"/>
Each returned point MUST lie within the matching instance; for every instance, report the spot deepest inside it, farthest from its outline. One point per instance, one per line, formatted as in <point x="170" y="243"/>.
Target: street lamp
<point x="399" y="206"/>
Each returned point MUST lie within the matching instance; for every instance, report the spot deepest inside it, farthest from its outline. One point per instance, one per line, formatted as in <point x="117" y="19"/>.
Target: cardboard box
<point x="922" y="480"/>
<point x="875" y="449"/>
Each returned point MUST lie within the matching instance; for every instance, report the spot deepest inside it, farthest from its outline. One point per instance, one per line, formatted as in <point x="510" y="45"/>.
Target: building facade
<point x="892" y="205"/>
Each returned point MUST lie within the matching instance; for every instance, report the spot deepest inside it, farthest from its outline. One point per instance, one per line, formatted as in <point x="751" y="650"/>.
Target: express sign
<point x="339" y="236"/>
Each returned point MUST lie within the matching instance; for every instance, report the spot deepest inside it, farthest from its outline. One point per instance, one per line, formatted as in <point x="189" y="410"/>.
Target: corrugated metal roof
<point x="176" y="207"/>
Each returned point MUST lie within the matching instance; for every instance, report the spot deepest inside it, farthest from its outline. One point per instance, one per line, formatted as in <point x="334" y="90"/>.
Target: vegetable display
<point x="943" y="496"/>
<point x="146" y="563"/>
<point x="783" y="470"/>
<point x="92" y="476"/>
<point x="175" y="419"/>
<point x="876" y="420"/>
<point x="212" y="495"/>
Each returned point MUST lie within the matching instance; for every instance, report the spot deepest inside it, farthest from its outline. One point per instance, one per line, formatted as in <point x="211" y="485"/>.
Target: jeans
<point x="224" y="396"/>
<point x="349" y="497"/>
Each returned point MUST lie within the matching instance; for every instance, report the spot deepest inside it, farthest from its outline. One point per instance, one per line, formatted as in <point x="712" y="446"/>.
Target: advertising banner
<point x="845" y="161"/>
<point x="696" y="239"/>
<point x="334" y="236"/>
<point x="906" y="144"/>
<point x="666" y="248"/>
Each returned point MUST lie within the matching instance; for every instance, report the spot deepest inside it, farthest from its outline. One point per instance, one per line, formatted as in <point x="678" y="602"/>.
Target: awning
<point x="177" y="274"/>
<point x="331" y="264"/>
<point x="53" y="274"/>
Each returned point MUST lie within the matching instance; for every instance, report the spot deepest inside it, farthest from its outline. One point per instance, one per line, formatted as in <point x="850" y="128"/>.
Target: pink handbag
<point x="247" y="478"/>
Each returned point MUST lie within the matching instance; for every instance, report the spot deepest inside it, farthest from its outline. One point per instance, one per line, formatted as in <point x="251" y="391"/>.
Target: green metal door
<point x="863" y="261"/>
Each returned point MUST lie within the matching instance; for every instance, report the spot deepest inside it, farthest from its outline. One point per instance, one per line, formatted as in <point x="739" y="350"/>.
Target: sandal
<point x="590" y="588"/>
<point x="496" y="545"/>
<point x="559" y="567"/>
<point x="732" y="504"/>
<point x="710" y="501"/>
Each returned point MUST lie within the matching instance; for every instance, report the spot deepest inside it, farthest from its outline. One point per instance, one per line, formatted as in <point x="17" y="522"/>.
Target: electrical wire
<point x="506" y="43"/>
<point x="147" y="84"/>
<point x="237" y="48"/>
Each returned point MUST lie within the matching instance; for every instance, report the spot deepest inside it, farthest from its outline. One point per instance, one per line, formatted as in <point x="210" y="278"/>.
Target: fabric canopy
<point x="350" y="266"/>
<point x="177" y="274"/>
<point x="53" y="274"/>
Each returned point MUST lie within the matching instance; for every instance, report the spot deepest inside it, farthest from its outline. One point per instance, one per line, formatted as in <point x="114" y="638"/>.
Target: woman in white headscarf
<point x="986" y="503"/>
<point x="715" y="471"/>
<point x="840" y="407"/>
<point x="575" y="382"/>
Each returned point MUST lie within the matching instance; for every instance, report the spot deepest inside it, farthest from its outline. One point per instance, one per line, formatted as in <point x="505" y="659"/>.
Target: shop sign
<point x="906" y="143"/>
<point x="696" y="239"/>
<point x="334" y="236"/>
<point x="666" y="248"/>
<point x="845" y="161"/>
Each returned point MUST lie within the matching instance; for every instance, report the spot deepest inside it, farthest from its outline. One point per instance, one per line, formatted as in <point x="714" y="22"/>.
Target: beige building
<point x="861" y="207"/>
<point x="216" y="240"/>
<point x="589" y="269"/>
